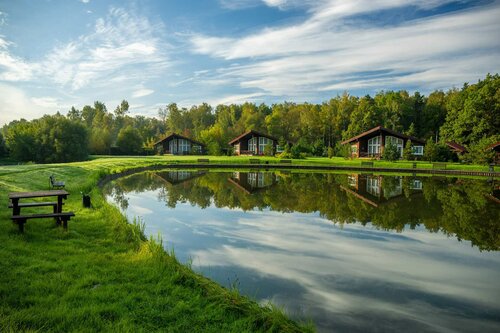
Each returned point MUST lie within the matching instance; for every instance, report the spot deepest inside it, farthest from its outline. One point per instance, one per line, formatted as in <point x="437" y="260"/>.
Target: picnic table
<point x="57" y="213"/>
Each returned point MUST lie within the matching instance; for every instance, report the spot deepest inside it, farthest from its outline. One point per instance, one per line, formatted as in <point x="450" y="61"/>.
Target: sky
<point x="55" y="54"/>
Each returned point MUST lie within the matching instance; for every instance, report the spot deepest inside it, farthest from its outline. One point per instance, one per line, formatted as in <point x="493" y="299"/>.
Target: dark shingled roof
<point x="255" y="133"/>
<point x="175" y="135"/>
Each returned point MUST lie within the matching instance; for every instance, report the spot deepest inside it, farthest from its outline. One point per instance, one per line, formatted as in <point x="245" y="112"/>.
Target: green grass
<point x="335" y="161"/>
<point x="102" y="275"/>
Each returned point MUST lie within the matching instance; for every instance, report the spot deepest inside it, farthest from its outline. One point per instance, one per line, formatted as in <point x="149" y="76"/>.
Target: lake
<point x="351" y="252"/>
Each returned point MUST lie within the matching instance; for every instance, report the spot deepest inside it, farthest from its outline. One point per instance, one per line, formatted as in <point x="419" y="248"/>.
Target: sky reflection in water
<point x="294" y="240"/>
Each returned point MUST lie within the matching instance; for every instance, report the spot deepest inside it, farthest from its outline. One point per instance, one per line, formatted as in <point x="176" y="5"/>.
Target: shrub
<point x="391" y="152"/>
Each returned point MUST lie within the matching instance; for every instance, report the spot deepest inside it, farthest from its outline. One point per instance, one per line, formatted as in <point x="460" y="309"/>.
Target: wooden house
<point x="370" y="144"/>
<point x="177" y="144"/>
<point x="253" y="143"/>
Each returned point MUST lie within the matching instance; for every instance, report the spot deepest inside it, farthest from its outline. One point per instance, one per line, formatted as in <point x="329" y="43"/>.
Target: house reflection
<point x="175" y="177"/>
<point x="377" y="190"/>
<point x="251" y="182"/>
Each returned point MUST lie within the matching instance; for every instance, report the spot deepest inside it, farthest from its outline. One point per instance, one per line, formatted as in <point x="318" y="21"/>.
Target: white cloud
<point x="121" y="43"/>
<point x="16" y="104"/>
<point x="85" y="1"/>
<point x="142" y="93"/>
<point x="2" y="18"/>
<point x="13" y="68"/>
<point x="328" y="52"/>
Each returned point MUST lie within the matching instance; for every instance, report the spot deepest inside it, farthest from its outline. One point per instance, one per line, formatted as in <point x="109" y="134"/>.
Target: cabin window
<point x="374" y="146"/>
<point x="354" y="149"/>
<point x="252" y="179"/>
<point x="263" y="142"/>
<point x="184" y="146"/>
<point x="416" y="184"/>
<point x="373" y="186"/>
<point x="396" y="142"/>
<point x="417" y="150"/>
<point x="252" y="145"/>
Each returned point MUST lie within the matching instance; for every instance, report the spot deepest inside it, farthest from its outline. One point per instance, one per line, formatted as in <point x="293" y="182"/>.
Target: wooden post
<point x="16" y="210"/>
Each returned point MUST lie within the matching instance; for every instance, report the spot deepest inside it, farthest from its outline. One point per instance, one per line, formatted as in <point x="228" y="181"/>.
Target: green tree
<point x="390" y="152"/>
<point x="473" y="113"/>
<point x="129" y="141"/>
<point x="407" y="151"/>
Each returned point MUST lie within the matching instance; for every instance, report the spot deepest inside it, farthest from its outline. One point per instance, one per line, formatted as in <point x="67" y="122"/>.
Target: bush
<point x="437" y="152"/>
<point x="331" y="152"/>
<point x="342" y="150"/>
<point x="479" y="153"/>
<point x="407" y="151"/>
<point x="391" y="152"/>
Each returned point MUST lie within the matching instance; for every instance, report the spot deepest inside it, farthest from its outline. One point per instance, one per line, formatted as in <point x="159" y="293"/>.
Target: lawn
<point x="102" y="275"/>
<point x="335" y="161"/>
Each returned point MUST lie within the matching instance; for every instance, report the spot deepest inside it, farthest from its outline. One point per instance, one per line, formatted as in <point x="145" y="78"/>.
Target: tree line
<point x="469" y="116"/>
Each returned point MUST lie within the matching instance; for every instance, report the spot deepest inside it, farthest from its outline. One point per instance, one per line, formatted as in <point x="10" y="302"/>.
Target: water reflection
<point x="376" y="267"/>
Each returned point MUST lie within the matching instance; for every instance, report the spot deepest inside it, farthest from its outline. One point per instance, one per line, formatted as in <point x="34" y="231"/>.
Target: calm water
<point x="351" y="252"/>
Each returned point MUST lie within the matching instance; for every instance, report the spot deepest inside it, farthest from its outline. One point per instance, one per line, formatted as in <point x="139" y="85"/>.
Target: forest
<point x="469" y="116"/>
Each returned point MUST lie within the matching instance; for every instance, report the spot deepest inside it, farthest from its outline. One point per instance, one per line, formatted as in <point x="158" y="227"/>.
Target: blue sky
<point x="57" y="54"/>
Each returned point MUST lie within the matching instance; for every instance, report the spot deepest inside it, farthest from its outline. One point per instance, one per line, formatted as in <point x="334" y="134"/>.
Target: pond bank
<point x="103" y="275"/>
<point x="298" y="167"/>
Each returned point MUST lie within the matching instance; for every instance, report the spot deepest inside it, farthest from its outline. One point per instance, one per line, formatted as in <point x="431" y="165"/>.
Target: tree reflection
<point x="457" y="207"/>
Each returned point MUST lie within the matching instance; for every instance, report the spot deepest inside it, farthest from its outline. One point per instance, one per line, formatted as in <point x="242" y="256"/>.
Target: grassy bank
<point x="102" y="275"/>
<point x="335" y="161"/>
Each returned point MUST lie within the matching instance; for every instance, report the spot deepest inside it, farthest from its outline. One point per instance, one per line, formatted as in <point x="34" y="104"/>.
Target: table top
<point x="37" y="194"/>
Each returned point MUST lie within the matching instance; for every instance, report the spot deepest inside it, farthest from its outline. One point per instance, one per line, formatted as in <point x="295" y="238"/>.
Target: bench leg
<point x="65" y="223"/>
<point x="20" y="224"/>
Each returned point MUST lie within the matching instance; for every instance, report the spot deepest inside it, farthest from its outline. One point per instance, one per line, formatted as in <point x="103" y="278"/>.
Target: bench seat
<point x="34" y="204"/>
<point x="60" y="217"/>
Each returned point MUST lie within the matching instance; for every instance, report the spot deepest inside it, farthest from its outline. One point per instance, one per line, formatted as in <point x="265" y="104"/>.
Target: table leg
<point x="59" y="203"/>
<point x="16" y="210"/>
<point x="20" y="224"/>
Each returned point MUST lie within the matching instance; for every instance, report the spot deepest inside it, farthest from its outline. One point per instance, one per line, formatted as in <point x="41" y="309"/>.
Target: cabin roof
<point x="255" y="133"/>
<point x="383" y="129"/>
<point x="455" y="146"/>
<point x="178" y="136"/>
<point x="494" y="146"/>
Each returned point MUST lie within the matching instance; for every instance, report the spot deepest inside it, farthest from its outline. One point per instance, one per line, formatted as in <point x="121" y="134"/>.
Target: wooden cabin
<point x="370" y="144"/>
<point x="177" y="144"/>
<point x="253" y="143"/>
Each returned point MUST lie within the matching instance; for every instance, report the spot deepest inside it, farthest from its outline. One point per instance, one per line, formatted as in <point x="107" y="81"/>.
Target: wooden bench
<point x="254" y="161"/>
<point x="57" y="214"/>
<point x="63" y="218"/>
<point x="367" y="164"/>
<point x="438" y="166"/>
<point x="54" y="184"/>
<point x="286" y="161"/>
<point x="203" y="160"/>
